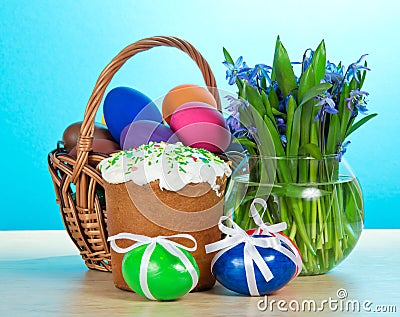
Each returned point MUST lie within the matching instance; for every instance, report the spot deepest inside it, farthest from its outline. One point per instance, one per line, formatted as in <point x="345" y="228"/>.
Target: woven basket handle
<point x="84" y="144"/>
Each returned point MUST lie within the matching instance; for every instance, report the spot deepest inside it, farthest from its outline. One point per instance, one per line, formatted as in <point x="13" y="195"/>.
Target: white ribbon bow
<point x="169" y="245"/>
<point x="268" y="229"/>
<point x="237" y="235"/>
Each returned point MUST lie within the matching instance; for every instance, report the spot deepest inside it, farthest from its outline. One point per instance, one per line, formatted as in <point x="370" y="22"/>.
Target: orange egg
<point x="182" y="94"/>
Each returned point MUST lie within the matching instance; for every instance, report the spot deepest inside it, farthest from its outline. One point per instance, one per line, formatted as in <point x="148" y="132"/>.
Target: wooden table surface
<point x="42" y="275"/>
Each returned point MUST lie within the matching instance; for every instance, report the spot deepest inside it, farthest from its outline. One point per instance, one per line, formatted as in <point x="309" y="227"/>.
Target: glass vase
<point x="320" y="200"/>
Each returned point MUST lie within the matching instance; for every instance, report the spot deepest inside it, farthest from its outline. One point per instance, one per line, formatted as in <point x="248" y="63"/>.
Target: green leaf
<point x="268" y="107"/>
<point x="266" y="144"/>
<point x="273" y="98"/>
<point x="363" y="74"/>
<point x="353" y="84"/>
<point x="359" y="123"/>
<point x="351" y="121"/>
<point x="291" y="107"/>
<point x="263" y="83"/>
<point x="333" y="135"/>
<point x="273" y="76"/>
<point x="250" y="117"/>
<point x="306" y="122"/>
<point x="294" y="191"/>
<point x="306" y="82"/>
<point x="255" y="99"/>
<point x="311" y="149"/>
<point x="278" y="113"/>
<point x="239" y="84"/>
<point x="245" y="117"/>
<point x="314" y="91"/>
<point x="228" y="57"/>
<point x="275" y="137"/>
<point x="246" y="142"/>
<point x="279" y="190"/>
<point x="284" y="71"/>
<point x="345" y="114"/>
<point x="293" y="147"/>
<point x="342" y="102"/>
<point x="319" y="62"/>
<point x="314" y="140"/>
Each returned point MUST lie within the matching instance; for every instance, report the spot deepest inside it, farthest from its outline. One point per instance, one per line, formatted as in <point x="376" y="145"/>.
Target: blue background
<point x="52" y="52"/>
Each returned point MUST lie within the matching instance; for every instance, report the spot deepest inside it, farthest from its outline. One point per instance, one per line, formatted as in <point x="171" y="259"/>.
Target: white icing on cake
<point x="173" y="165"/>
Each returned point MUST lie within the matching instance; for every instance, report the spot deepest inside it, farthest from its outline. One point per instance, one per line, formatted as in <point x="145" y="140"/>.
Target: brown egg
<point x="71" y="134"/>
<point x="103" y="146"/>
<point x="183" y="94"/>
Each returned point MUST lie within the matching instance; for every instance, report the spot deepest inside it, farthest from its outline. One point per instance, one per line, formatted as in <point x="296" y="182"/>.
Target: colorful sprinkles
<point x="180" y="154"/>
<point x="173" y="165"/>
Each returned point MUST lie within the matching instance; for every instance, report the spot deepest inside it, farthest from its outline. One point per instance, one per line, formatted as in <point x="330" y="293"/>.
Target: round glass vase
<point x="320" y="200"/>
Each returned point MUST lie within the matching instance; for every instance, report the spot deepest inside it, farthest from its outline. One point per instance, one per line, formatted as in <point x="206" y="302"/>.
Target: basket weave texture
<point x="78" y="184"/>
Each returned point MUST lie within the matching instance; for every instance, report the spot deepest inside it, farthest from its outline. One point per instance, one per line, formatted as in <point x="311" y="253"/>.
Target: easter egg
<point x="200" y="125"/>
<point x="182" y="94"/>
<point x="285" y="241"/>
<point x="145" y="131"/>
<point x="103" y="146"/>
<point x="122" y="105"/>
<point x="229" y="270"/>
<point x="71" y="134"/>
<point x="166" y="275"/>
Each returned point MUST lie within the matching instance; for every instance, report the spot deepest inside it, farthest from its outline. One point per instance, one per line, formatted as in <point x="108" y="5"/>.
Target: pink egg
<point x="200" y="125"/>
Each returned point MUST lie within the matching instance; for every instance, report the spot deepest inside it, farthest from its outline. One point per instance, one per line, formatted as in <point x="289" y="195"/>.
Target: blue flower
<point x="233" y="124"/>
<point x="342" y="148"/>
<point x="282" y="130"/>
<point x="283" y="103"/>
<point x="357" y="98"/>
<point x="354" y="68"/>
<point x="283" y="139"/>
<point x="245" y="132"/>
<point x="275" y="86"/>
<point x="233" y="70"/>
<point x="332" y="68"/>
<point x="327" y="105"/>
<point x="240" y="133"/>
<point x="281" y="125"/>
<point x="252" y="131"/>
<point x="260" y="71"/>
<point x="234" y="104"/>
<point x="362" y="109"/>
<point x="333" y="73"/>
<point x="245" y="74"/>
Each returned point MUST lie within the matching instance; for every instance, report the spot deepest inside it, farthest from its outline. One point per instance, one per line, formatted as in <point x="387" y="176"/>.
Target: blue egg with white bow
<point x="123" y="105"/>
<point x="229" y="269"/>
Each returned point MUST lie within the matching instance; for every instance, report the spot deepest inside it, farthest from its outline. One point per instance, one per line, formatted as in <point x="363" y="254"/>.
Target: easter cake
<point x="161" y="189"/>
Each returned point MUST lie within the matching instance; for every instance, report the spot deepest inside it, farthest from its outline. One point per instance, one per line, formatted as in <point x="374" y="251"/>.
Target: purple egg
<point x="144" y="131"/>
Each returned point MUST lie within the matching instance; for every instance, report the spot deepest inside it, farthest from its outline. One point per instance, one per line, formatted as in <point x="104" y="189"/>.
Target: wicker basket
<point x="78" y="184"/>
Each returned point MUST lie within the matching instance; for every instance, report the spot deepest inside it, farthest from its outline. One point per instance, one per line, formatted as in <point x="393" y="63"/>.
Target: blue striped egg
<point x="229" y="270"/>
